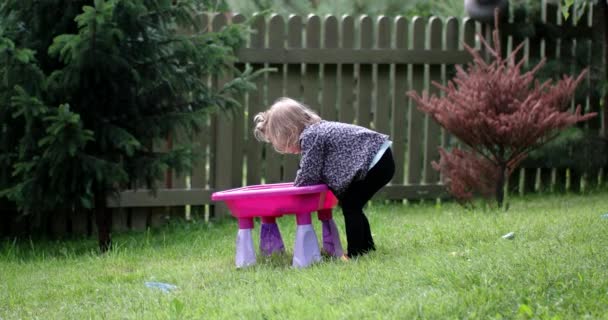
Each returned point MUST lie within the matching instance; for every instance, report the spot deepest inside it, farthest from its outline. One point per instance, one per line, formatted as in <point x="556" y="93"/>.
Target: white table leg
<point x="245" y="253"/>
<point x="306" y="249"/>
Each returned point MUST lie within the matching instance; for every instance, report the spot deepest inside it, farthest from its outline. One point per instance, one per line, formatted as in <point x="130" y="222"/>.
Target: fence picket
<point x="433" y="130"/>
<point x="399" y="103"/>
<point x="119" y="219"/>
<point x="551" y="52"/>
<point x="238" y="144"/>
<point x="599" y="122"/>
<point x="365" y="85"/>
<point x="178" y="181"/>
<point x="585" y="51"/>
<point x="311" y="71"/>
<point x="293" y="85"/>
<point x="534" y="56"/>
<point x="198" y="177"/>
<point x="383" y="78"/>
<point x="276" y="39"/>
<point x="565" y="54"/>
<point x="138" y="218"/>
<point x="416" y="117"/>
<point x="599" y="23"/>
<point x="347" y="71"/>
<point x="256" y="104"/>
<point x="311" y="80"/>
<point x="224" y="131"/>
<point x="582" y="51"/>
<point x="329" y="72"/>
<point x="468" y="37"/>
<point x="452" y="43"/>
<point x="166" y="182"/>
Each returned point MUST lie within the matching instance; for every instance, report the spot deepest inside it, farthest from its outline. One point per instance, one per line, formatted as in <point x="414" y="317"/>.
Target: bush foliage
<point x="500" y="113"/>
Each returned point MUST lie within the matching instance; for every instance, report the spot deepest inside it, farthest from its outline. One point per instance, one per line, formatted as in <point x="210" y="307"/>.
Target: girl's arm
<point x="311" y="162"/>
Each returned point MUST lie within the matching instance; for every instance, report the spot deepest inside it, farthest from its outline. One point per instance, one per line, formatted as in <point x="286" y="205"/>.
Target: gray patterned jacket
<point x="336" y="154"/>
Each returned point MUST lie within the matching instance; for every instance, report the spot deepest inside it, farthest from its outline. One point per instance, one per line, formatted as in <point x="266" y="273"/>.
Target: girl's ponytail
<point x="260" y="127"/>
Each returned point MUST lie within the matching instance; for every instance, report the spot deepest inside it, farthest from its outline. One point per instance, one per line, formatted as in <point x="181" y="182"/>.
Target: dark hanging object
<point x="483" y="10"/>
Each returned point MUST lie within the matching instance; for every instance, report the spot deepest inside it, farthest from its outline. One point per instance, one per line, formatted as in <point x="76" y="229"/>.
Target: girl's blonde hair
<point x="282" y="124"/>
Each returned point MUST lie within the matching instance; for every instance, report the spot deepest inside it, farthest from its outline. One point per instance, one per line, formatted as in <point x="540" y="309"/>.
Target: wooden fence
<point x="354" y="70"/>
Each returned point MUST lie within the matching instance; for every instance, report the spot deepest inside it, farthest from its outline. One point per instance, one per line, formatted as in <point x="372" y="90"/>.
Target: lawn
<point x="433" y="262"/>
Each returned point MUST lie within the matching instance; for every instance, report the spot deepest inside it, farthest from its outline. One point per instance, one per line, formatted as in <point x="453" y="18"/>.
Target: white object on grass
<point x="509" y="235"/>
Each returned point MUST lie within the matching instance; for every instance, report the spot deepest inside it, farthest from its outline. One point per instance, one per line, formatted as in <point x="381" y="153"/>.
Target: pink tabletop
<point x="276" y="199"/>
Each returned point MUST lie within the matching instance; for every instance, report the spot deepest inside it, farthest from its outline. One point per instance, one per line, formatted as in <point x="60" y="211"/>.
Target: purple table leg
<point x="331" y="236"/>
<point x="306" y="250"/>
<point x="270" y="237"/>
<point x="245" y="253"/>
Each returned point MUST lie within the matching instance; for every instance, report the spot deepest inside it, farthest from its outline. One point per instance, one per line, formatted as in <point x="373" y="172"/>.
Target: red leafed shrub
<point x="467" y="174"/>
<point x="500" y="113"/>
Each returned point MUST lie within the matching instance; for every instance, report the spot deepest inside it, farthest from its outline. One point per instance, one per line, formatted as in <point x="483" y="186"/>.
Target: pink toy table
<point x="271" y="201"/>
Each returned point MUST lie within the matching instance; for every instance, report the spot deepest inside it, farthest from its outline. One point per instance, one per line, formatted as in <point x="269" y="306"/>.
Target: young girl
<point x="354" y="162"/>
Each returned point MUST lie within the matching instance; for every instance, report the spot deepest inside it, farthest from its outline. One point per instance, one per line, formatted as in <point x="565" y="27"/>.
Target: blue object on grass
<point x="605" y="216"/>
<point x="165" y="287"/>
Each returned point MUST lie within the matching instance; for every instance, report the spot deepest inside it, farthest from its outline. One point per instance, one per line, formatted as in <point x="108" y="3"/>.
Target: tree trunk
<point x="500" y="185"/>
<point x="603" y="6"/>
<point x="5" y="222"/>
<point x="103" y="219"/>
<point x="8" y="219"/>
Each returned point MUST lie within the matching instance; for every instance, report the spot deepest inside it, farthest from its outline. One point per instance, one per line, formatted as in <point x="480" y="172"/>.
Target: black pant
<point x="352" y="201"/>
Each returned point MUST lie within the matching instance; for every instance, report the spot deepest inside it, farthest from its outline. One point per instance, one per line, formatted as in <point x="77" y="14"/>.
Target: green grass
<point x="432" y="262"/>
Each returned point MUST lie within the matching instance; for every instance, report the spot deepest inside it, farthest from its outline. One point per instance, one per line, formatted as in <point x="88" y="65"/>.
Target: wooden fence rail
<point x="355" y="70"/>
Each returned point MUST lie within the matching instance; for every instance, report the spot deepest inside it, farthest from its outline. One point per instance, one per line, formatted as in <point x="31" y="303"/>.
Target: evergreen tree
<point x="89" y="87"/>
